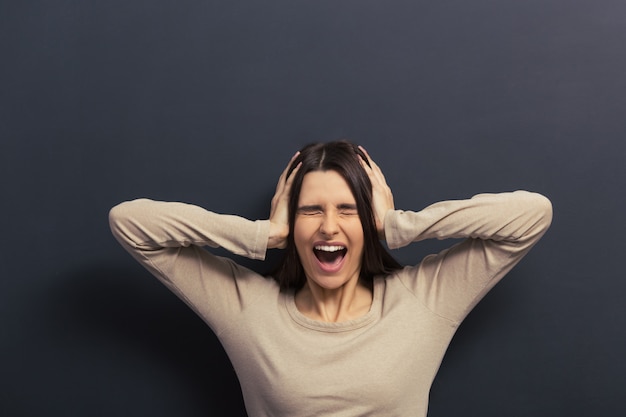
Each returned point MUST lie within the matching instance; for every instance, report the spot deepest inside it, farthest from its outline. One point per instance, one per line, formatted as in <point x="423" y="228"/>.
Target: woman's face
<point x="327" y="231"/>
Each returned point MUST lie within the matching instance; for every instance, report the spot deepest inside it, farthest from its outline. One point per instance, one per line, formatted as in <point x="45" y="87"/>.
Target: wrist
<point x="278" y="236"/>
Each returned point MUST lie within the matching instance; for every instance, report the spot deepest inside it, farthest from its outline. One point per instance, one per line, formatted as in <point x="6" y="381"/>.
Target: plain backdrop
<point x="205" y="101"/>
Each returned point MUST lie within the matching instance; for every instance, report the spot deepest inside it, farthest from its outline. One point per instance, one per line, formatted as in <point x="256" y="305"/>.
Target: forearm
<point x="507" y="217"/>
<point x="277" y="237"/>
<point x="146" y="225"/>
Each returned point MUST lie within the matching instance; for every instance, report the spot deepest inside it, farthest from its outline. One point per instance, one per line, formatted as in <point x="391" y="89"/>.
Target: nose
<point x="329" y="225"/>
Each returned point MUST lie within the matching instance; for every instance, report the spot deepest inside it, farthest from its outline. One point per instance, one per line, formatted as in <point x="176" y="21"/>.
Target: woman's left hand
<point x="382" y="197"/>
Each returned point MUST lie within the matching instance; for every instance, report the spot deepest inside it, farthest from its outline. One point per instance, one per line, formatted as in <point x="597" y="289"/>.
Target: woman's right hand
<point x="279" y="212"/>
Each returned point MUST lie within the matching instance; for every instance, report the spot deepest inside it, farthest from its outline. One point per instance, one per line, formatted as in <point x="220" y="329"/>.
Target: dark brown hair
<point x="343" y="158"/>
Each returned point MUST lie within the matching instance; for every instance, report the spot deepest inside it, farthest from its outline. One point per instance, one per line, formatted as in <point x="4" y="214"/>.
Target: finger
<point x="364" y="151"/>
<point x="366" y="164"/>
<point x="375" y="173"/>
<point x="369" y="158"/>
<point x="372" y="164"/>
<point x="286" y="170"/>
<point x="283" y="176"/>
<point x="363" y="162"/>
<point x="283" y="189"/>
<point x="289" y="180"/>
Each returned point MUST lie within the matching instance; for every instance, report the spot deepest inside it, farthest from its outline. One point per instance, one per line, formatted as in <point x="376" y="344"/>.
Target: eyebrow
<point x="312" y="207"/>
<point x="346" y="206"/>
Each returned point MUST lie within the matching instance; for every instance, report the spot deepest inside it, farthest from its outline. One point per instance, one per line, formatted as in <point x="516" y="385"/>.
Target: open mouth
<point x="330" y="254"/>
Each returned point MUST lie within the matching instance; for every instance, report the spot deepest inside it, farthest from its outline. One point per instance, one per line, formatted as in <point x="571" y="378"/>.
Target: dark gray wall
<point x="205" y="101"/>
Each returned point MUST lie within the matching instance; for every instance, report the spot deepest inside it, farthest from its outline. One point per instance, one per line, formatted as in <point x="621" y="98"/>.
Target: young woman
<point x="340" y="328"/>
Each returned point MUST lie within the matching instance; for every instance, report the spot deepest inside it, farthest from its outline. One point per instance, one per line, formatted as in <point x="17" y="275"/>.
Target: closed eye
<point x="347" y="210"/>
<point x="342" y="209"/>
<point x="310" y="210"/>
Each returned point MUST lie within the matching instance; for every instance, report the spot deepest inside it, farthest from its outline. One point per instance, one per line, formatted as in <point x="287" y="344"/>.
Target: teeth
<point x="329" y="248"/>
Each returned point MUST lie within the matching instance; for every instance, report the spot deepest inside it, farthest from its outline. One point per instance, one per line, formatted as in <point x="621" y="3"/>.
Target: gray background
<point x="205" y="101"/>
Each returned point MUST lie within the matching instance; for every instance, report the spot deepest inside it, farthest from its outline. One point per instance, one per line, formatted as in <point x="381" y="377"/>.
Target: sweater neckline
<point x="333" y="327"/>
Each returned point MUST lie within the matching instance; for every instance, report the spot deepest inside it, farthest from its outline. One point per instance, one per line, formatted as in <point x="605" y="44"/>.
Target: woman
<point x="340" y="328"/>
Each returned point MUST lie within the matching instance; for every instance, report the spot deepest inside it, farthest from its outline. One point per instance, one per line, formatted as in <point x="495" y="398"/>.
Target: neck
<point x="347" y="302"/>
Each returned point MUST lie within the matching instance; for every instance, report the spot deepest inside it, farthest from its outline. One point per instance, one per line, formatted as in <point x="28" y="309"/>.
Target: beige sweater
<point x="381" y="364"/>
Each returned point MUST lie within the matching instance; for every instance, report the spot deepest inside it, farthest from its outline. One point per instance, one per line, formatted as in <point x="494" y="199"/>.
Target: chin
<point x="328" y="283"/>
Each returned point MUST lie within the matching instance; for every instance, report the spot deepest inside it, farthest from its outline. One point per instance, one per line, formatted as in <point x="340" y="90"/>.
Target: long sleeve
<point x="168" y="238"/>
<point x="499" y="229"/>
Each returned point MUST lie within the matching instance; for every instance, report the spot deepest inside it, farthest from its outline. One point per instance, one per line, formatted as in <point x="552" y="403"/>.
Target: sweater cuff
<point x="392" y="234"/>
<point x="259" y="246"/>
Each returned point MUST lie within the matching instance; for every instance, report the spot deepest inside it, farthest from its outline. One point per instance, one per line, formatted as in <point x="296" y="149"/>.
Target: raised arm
<point x="498" y="230"/>
<point x="168" y="239"/>
<point x="144" y="227"/>
<point x="515" y="220"/>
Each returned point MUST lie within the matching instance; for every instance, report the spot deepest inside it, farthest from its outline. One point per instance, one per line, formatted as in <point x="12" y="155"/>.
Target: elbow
<point x="545" y="210"/>
<point x="118" y="216"/>
<point x="541" y="208"/>
<point x="122" y="216"/>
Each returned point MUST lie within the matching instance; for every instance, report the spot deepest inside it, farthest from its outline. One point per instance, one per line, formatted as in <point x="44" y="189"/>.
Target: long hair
<point x="343" y="158"/>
